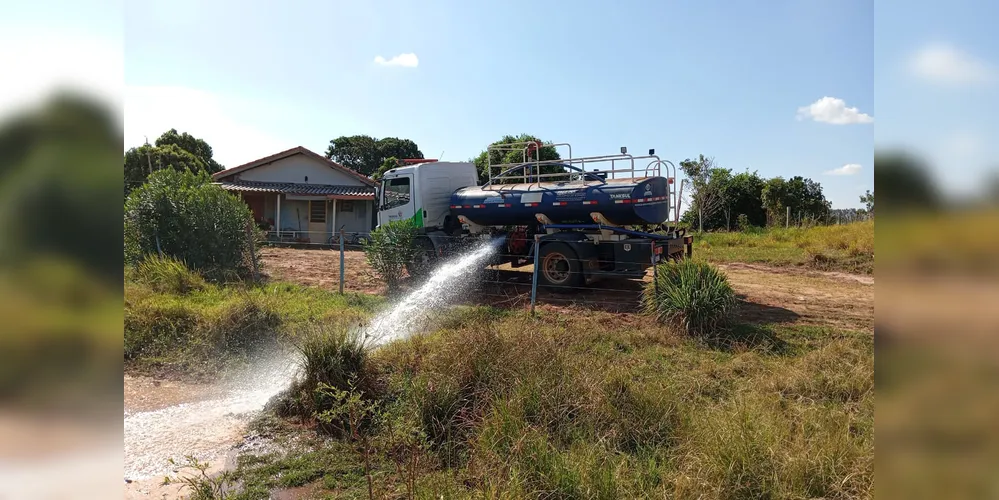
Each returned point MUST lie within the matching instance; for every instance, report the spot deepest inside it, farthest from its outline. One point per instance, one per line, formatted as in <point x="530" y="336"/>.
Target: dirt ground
<point x="768" y="294"/>
<point x="321" y="268"/>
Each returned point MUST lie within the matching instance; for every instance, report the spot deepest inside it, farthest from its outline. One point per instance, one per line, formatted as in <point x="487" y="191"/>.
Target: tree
<point x="171" y="150"/>
<point x="744" y="196"/>
<point x="181" y="214"/>
<point x="868" y="200"/>
<point x="197" y="147"/>
<point x="495" y="157"/>
<point x="708" y="184"/>
<point x="365" y="154"/>
<point x="803" y="196"/>
<point x="774" y="197"/>
<point x="389" y="163"/>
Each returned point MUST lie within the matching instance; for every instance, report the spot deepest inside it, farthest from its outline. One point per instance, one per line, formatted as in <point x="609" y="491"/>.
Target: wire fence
<point x="503" y="278"/>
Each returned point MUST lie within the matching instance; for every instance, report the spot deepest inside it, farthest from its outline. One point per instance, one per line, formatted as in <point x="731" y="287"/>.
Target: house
<point x="302" y="196"/>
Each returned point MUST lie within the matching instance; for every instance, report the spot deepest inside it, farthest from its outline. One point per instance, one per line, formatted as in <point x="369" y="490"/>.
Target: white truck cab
<point x="422" y="192"/>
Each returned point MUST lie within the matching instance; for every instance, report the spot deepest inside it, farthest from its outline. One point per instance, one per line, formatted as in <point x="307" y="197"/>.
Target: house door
<point x="317" y="221"/>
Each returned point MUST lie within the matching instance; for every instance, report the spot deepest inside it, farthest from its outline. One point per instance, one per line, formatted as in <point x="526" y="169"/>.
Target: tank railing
<point x="524" y="166"/>
<point x="523" y="147"/>
<point x="652" y="169"/>
<point x="581" y="161"/>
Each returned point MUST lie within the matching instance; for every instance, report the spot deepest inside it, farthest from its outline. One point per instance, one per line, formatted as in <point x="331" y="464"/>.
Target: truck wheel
<point x="425" y="259"/>
<point x="559" y="266"/>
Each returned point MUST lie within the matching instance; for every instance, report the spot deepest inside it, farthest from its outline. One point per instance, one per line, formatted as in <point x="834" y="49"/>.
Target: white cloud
<point x="944" y="63"/>
<point x="848" y="169"/>
<point x="408" y="60"/>
<point x="833" y="110"/>
<point x="152" y="110"/>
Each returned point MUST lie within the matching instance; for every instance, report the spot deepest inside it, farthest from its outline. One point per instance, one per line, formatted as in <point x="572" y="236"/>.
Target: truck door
<point x="397" y="199"/>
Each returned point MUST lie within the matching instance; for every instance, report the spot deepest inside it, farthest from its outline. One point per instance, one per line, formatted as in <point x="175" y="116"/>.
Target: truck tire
<point x="559" y="266"/>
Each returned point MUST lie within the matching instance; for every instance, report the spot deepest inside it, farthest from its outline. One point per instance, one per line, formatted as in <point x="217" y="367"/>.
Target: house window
<point x="346" y="206"/>
<point x="317" y="211"/>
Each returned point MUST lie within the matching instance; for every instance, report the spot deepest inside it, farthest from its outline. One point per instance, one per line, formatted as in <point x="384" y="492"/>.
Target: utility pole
<point x="149" y="159"/>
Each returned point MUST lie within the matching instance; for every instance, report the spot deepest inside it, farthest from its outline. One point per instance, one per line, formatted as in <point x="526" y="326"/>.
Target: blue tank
<point x="621" y="201"/>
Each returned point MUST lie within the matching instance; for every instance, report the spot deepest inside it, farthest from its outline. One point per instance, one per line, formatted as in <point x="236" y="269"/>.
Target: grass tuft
<point x="691" y="297"/>
<point x="334" y="357"/>
<point x="167" y="275"/>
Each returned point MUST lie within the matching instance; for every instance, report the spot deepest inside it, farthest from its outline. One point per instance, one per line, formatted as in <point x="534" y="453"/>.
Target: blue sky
<point x="723" y="78"/>
<point x="937" y="86"/>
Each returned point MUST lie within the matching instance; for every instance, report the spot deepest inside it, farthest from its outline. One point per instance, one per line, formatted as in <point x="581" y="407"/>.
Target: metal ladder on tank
<point x="530" y="170"/>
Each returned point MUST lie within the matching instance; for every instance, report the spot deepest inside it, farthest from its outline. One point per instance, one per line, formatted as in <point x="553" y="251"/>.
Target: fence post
<point x="341" y="262"/>
<point x="253" y="255"/>
<point x="655" y="271"/>
<point x="534" y="279"/>
<point x="787" y="221"/>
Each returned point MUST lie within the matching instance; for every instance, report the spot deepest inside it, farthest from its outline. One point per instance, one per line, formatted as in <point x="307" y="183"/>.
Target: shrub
<point x="183" y="215"/>
<point x="167" y="275"/>
<point x="334" y="358"/>
<point x="392" y="246"/>
<point x="691" y="297"/>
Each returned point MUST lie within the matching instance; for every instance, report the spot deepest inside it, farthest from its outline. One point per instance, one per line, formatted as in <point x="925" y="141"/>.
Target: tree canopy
<point x="803" y="196"/>
<point x="365" y="154"/>
<point x="389" y="163"/>
<point x="708" y="185"/>
<point x="868" y="200"/>
<point x="197" y="147"/>
<point x="721" y="200"/>
<point x="179" y="151"/>
<point x="545" y="153"/>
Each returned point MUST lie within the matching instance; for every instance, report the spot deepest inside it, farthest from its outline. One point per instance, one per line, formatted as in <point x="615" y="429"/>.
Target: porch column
<point x="277" y="217"/>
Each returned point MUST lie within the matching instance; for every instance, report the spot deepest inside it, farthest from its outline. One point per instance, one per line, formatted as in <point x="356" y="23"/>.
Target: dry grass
<point x="847" y="247"/>
<point x="510" y="406"/>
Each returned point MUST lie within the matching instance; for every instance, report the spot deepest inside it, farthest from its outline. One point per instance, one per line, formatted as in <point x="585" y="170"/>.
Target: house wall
<point x="358" y="221"/>
<point x="295" y="217"/>
<point x="295" y="169"/>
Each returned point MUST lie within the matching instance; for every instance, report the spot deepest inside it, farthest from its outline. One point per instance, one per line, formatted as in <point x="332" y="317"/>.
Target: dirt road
<point x="768" y="294"/>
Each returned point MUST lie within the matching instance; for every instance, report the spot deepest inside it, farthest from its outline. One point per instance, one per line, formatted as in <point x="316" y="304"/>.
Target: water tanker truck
<point x="597" y="216"/>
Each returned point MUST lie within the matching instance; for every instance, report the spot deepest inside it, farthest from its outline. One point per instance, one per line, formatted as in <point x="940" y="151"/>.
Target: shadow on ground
<point x="753" y="312"/>
<point x="748" y="336"/>
<point x="512" y="289"/>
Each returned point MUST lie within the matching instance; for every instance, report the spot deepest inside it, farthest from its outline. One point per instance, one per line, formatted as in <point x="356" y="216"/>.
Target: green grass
<point x="584" y="406"/>
<point x="846" y="247"/>
<point x="198" y="331"/>
<point x="499" y="404"/>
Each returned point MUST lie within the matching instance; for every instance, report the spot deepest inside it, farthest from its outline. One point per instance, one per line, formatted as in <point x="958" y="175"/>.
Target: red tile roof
<point x="300" y="189"/>
<point x="292" y="152"/>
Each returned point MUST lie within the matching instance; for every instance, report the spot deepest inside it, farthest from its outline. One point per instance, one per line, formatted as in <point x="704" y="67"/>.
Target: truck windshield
<point x="395" y="192"/>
